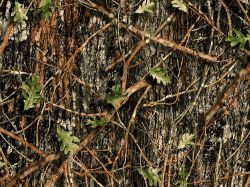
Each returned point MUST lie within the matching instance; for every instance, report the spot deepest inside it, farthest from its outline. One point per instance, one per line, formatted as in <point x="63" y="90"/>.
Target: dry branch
<point x="53" y="178"/>
<point x="6" y="38"/>
<point x="25" y="143"/>
<point x="143" y="34"/>
<point x="229" y="90"/>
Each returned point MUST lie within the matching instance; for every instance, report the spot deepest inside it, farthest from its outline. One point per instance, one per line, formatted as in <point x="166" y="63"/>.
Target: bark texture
<point x="84" y="49"/>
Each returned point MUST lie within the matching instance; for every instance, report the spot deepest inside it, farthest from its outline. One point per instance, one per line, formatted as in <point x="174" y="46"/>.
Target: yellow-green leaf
<point x="45" y="8"/>
<point x="31" y="92"/>
<point x="180" y="4"/>
<point x="2" y="164"/>
<point x="146" y="6"/>
<point x="19" y="13"/>
<point x="187" y="139"/>
<point x="151" y="175"/>
<point x="67" y="141"/>
<point x="160" y="74"/>
<point x="116" y="98"/>
<point x="239" y="38"/>
<point x="94" y="122"/>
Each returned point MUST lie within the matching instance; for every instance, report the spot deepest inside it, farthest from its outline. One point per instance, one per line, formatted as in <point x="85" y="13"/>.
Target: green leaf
<point x="160" y="74"/>
<point x="31" y="92"/>
<point x="180" y="4"/>
<point x="187" y="139"/>
<point x="2" y="164"/>
<point x="45" y="7"/>
<point x="117" y="90"/>
<point x="67" y="141"/>
<point x="240" y="39"/>
<point x="146" y="6"/>
<point x="151" y="175"/>
<point x="116" y="98"/>
<point x="94" y="122"/>
<point x="19" y="13"/>
<point x="183" y="177"/>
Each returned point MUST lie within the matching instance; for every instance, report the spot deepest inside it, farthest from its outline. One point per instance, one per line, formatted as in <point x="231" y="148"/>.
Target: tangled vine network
<point x="124" y="93"/>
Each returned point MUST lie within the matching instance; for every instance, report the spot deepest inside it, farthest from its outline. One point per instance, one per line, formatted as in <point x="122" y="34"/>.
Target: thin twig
<point x="244" y="11"/>
<point x="53" y="178"/>
<point x="162" y="41"/>
<point x="6" y="38"/>
<point x="217" y="106"/>
<point x="25" y="143"/>
<point x="75" y="112"/>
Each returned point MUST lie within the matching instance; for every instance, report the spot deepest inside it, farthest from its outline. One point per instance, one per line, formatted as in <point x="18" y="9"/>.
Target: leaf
<point x="19" y="13"/>
<point x="2" y="164"/>
<point x="67" y="141"/>
<point x="180" y="5"/>
<point x="181" y="183"/>
<point x="116" y="98"/>
<point x="97" y="122"/>
<point x="117" y="90"/>
<point x="187" y="139"/>
<point x="151" y="175"/>
<point x="160" y="74"/>
<point x="45" y="7"/>
<point x="146" y="6"/>
<point x="31" y="92"/>
<point x="240" y="38"/>
<point x="183" y="177"/>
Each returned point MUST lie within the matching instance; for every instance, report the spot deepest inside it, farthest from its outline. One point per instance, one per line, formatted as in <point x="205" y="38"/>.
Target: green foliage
<point x="146" y="6"/>
<point x="160" y="74"/>
<point x="19" y="13"/>
<point x="45" y="7"/>
<point x="94" y="122"/>
<point x="151" y="175"/>
<point x="116" y="89"/>
<point x="240" y="38"/>
<point x="183" y="177"/>
<point x="187" y="139"/>
<point x="31" y="92"/>
<point x="2" y="164"/>
<point x="67" y="141"/>
<point x="180" y="4"/>
<point x="116" y="98"/>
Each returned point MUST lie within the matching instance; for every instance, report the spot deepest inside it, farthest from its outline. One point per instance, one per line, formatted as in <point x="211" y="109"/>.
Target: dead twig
<point x="244" y="11"/>
<point x="82" y="47"/>
<point x="203" y="16"/>
<point x="53" y="178"/>
<point x="25" y="143"/>
<point x="87" y="172"/>
<point x="132" y="121"/>
<point x="6" y="38"/>
<point x="75" y="112"/>
<point x="32" y="168"/>
<point x="217" y="106"/>
<point x="162" y="41"/>
<point x="102" y="165"/>
<point x="191" y="106"/>
<point x="6" y="175"/>
<point x="127" y="63"/>
<point x="141" y="44"/>
<point x="247" y="184"/>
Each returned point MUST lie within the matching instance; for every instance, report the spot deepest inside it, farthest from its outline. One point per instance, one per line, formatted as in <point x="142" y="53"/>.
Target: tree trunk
<point x="85" y="50"/>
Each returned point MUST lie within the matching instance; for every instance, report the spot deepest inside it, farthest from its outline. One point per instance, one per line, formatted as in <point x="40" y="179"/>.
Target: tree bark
<point x="87" y="47"/>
